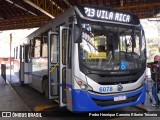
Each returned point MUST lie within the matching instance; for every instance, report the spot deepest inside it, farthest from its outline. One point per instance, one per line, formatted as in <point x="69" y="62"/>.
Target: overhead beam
<point x="47" y="7"/>
<point x="22" y="23"/>
<point x="146" y="10"/>
<point x="138" y="6"/>
<point x="25" y="18"/>
<point x="66" y="1"/>
<point x="9" y="1"/>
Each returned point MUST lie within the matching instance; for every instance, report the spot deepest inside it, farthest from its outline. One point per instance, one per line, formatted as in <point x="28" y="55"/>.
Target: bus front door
<point x="57" y="46"/>
<point x="64" y="32"/>
<point x="53" y="65"/>
<point x="25" y="65"/>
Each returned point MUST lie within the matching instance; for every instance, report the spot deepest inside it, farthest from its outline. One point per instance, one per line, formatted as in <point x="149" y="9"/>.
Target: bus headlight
<point x="83" y="85"/>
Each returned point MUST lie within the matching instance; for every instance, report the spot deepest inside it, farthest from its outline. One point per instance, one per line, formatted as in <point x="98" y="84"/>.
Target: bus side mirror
<point x="77" y="34"/>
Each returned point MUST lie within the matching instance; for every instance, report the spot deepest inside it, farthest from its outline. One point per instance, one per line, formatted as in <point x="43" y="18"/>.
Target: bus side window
<point x="54" y="50"/>
<point x="26" y="57"/>
<point x="22" y="53"/>
<point x="32" y="43"/>
<point x="69" y="59"/>
<point x="44" y="45"/>
<point x="64" y="41"/>
<point x="44" y="50"/>
<point x="37" y="48"/>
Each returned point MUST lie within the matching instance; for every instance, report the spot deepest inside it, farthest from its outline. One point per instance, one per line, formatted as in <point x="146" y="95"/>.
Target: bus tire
<point x="45" y="88"/>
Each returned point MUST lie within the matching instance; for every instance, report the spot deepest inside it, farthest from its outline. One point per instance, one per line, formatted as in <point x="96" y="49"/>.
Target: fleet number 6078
<point x="106" y="89"/>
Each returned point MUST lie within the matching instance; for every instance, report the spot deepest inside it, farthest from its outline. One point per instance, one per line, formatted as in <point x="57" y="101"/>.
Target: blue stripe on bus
<point x="30" y="73"/>
<point x="84" y="101"/>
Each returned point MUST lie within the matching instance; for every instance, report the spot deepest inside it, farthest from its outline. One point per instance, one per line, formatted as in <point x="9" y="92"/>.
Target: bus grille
<point x="116" y="83"/>
<point x="107" y="79"/>
<point x="112" y="102"/>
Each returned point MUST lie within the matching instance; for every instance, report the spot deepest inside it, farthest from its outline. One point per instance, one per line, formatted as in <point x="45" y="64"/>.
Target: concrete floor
<point x="10" y="101"/>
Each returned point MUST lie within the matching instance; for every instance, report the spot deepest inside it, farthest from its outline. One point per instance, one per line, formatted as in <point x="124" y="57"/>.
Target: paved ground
<point x="10" y="101"/>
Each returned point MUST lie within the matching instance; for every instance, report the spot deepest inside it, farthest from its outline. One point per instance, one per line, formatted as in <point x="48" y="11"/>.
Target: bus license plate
<point x="119" y="98"/>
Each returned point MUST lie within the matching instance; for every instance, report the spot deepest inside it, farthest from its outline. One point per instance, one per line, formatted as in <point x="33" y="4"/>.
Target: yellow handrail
<point x="54" y="66"/>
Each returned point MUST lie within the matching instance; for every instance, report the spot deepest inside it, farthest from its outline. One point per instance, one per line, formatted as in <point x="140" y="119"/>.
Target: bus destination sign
<point x="107" y="15"/>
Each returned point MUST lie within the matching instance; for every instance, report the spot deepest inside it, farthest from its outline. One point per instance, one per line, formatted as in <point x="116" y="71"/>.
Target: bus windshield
<point x="108" y="47"/>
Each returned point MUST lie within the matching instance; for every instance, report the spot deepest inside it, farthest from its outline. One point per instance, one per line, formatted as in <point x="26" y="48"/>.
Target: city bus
<point x="90" y="58"/>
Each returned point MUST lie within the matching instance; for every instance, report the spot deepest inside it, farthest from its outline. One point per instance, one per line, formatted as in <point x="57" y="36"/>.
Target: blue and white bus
<point x="90" y="58"/>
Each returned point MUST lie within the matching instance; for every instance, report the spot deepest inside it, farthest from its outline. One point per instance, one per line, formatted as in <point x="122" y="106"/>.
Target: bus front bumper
<point x="86" y="102"/>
